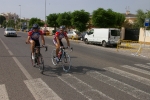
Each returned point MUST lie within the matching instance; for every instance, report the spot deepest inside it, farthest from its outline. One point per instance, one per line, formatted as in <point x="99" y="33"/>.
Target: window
<point x="91" y="31"/>
<point x="115" y="32"/>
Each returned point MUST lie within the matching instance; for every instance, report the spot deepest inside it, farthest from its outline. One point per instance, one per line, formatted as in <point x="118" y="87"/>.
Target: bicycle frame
<point x="64" y="59"/>
<point x="38" y="58"/>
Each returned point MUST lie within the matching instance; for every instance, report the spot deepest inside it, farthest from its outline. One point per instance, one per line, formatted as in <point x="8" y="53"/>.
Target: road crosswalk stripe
<point x="3" y="93"/>
<point x="40" y="90"/>
<point x="143" y="66"/>
<point x="83" y="88"/>
<point x="136" y="69"/>
<point x="129" y="75"/>
<point x="120" y="85"/>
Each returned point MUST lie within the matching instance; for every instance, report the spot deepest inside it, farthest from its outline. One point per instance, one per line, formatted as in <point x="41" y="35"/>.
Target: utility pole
<point x="20" y="17"/>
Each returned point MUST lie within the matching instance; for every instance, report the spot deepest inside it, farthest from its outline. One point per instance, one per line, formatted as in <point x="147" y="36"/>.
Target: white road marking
<point x="120" y="86"/>
<point x="38" y="88"/>
<point x="7" y="48"/>
<point x="3" y="93"/>
<point x="136" y="69"/>
<point x="25" y="72"/>
<point x="129" y="75"/>
<point x="144" y="66"/>
<point x="83" y="88"/>
<point x="41" y="90"/>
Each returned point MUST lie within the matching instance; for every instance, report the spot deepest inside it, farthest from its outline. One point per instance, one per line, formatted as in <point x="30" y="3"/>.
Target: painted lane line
<point x="120" y="85"/>
<point x="143" y="66"/>
<point x="136" y="69"/>
<point x="40" y="90"/>
<point x="83" y="88"/>
<point x="25" y="72"/>
<point x="6" y="47"/>
<point x="3" y="93"/>
<point x="129" y="75"/>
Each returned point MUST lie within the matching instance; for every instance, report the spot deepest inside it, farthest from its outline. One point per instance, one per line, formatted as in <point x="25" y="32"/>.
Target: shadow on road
<point x="58" y="70"/>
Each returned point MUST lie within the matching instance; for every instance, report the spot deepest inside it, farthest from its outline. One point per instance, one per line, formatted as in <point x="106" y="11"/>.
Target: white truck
<point x="104" y="36"/>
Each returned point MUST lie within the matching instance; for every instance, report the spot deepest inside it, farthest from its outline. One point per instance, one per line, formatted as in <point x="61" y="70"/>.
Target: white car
<point x="73" y="34"/>
<point x="9" y="31"/>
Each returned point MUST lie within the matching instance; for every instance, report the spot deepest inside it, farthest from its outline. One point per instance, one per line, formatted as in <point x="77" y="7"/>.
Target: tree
<point x="51" y="20"/>
<point x="11" y="23"/>
<point x="4" y="24"/>
<point x="141" y="15"/>
<point x="128" y="25"/>
<point x="64" y="19"/>
<point x="35" y="21"/>
<point x="120" y="18"/>
<point x="2" y="19"/>
<point x="80" y="19"/>
<point x="107" y="18"/>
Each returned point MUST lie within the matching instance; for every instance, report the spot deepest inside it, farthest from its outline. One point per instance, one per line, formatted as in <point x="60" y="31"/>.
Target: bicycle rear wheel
<point x="53" y="56"/>
<point x="66" y="62"/>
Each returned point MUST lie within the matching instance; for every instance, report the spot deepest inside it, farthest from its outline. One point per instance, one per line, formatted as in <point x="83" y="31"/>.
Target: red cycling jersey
<point x="60" y="35"/>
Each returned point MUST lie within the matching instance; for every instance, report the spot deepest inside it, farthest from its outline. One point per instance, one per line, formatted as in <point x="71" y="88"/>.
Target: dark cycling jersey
<point x="35" y="35"/>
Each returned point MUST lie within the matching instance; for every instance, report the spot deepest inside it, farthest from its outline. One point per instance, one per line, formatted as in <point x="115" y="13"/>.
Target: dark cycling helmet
<point x="35" y="26"/>
<point x="62" y="27"/>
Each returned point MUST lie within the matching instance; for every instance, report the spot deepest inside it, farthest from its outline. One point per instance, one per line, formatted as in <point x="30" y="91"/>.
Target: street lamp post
<point x="20" y="16"/>
<point x="45" y="11"/>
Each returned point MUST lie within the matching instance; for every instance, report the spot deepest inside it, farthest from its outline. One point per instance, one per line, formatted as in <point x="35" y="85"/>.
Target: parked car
<point x="73" y="34"/>
<point x="46" y="32"/>
<point x="82" y="35"/>
<point x="9" y="31"/>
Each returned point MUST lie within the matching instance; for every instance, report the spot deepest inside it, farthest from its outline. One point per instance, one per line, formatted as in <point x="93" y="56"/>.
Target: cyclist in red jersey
<point x="57" y="39"/>
<point x="33" y="38"/>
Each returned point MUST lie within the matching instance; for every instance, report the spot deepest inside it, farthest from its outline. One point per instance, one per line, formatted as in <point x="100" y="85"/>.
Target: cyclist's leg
<point x="61" y="44"/>
<point x="37" y="52"/>
<point x="57" y="46"/>
<point x="57" y="50"/>
<point x="37" y="43"/>
<point x="32" y="42"/>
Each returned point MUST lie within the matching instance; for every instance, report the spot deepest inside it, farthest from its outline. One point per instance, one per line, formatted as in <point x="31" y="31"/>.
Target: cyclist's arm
<point x="42" y="37"/>
<point x="43" y="40"/>
<point x="67" y="39"/>
<point x="28" y="38"/>
<point x="58" y="42"/>
<point x="68" y="43"/>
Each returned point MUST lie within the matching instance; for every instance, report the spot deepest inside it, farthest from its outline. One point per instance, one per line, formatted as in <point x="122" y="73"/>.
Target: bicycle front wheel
<point x="66" y="62"/>
<point x="42" y="65"/>
<point x="53" y="56"/>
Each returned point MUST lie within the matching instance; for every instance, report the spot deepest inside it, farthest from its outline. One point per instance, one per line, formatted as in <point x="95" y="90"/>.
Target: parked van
<point x="104" y="36"/>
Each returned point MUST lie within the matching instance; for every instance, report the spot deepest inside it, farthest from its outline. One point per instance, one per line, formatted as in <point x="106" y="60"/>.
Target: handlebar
<point x="67" y="48"/>
<point x="42" y="47"/>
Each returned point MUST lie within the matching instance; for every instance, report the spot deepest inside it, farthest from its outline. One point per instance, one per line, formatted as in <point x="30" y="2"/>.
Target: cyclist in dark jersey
<point x="33" y="38"/>
<point x="57" y="39"/>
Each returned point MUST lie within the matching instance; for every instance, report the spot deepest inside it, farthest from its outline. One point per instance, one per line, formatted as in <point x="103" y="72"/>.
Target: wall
<point x="144" y="35"/>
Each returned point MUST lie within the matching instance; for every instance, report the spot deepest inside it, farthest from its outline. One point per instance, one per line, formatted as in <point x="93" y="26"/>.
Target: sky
<point x="36" y="8"/>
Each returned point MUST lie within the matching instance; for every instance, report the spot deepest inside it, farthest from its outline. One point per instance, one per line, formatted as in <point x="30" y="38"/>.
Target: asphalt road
<point x="97" y="73"/>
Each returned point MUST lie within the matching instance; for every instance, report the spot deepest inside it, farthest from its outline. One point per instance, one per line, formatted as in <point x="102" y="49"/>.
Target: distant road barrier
<point x="134" y="47"/>
<point x="129" y="45"/>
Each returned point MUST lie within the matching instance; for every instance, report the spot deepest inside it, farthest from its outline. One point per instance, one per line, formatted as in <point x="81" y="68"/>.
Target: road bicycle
<point x="38" y="60"/>
<point x="64" y="58"/>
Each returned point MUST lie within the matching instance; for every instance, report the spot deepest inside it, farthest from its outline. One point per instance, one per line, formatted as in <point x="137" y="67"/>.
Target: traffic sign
<point x="147" y="22"/>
